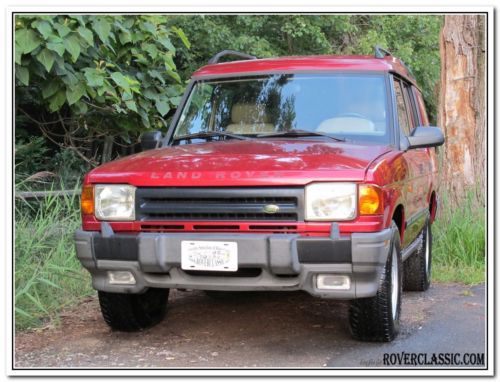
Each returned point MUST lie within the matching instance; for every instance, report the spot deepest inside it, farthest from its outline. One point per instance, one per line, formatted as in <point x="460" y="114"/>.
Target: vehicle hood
<point x="270" y="161"/>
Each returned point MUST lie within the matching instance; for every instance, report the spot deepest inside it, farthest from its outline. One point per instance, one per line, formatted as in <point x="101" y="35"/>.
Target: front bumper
<point x="284" y="262"/>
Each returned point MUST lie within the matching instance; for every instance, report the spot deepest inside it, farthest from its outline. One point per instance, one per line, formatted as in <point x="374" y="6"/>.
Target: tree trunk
<point x="462" y="112"/>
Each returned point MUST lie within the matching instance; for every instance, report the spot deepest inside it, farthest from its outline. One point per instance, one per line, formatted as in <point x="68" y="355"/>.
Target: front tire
<point x="377" y="318"/>
<point x="417" y="268"/>
<point x="133" y="312"/>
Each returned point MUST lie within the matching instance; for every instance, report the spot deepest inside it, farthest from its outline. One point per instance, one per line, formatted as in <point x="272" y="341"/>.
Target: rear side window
<point x="403" y="115"/>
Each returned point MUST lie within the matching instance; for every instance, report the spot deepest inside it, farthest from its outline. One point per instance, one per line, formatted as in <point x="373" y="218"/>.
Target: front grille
<point x="224" y="204"/>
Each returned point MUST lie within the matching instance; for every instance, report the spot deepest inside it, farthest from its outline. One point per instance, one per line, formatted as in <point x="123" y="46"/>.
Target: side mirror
<point x="151" y="140"/>
<point x="425" y="136"/>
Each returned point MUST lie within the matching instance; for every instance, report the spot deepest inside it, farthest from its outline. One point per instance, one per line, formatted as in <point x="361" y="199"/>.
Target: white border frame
<point x="263" y="6"/>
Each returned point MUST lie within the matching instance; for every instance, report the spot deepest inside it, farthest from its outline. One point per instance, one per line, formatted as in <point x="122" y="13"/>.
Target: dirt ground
<point x="246" y="330"/>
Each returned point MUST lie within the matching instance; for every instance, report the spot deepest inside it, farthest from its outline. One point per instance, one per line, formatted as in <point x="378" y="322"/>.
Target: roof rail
<point x="215" y="58"/>
<point x="381" y="52"/>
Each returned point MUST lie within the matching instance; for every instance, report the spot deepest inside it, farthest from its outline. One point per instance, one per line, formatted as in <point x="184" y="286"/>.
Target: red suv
<point x="296" y="173"/>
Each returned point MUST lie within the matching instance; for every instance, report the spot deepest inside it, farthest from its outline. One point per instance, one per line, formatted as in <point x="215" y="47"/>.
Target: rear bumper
<point x="283" y="261"/>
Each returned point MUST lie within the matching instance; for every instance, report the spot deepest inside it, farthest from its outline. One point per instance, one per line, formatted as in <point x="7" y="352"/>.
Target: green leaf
<point x="94" y="77"/>
<point x="44" y="28"/>
<point x="165" y="41"/>
<point x="74" y="93"/>
<point x="50" y="88"/>
<point x="86" y="35"/>
<point x="150" y="93"/>
<point x="69" y="78"/>
<point x="57" y="47"/>
<point x="18" y="54"/>
<point x="79" y="19"/>
<point x="182" y="36"/>
<point x="175" y="100"/>
<point x="125" y="37"/>
<point x="174" y="75"/>
<point x="57" y="100"/>
<point x="46" y="58"/>
<point x="141" y="59"/>
<point x="27" y="39"/>
<point x="62" y="29"/>
<point x="151" y="49"/>
<point x="22" y="312"/>
<point x="169" y="61"/>
<point x="131" y="105"/>
<point x="127" y="96"/>
<point x="81" y="108"/>
<point x="149" y="27"/>
<point x="23" y="75"/>
<point x="162" y="107"/>
<point x="156" y="74"/>
<point x="48" y="282"/>
<point x="121" y="81"/>
<point x="72" y="45"/>
<point x="102" y="28"/>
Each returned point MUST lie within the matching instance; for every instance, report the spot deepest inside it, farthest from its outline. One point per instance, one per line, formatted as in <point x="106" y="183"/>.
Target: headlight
<point x="114" y="202"/>
<point x="331" y="201"/>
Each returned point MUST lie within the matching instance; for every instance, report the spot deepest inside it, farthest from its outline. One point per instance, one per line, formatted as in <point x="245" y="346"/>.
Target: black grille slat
<point x="218" y="204"/>
<point x="230" y="208"/>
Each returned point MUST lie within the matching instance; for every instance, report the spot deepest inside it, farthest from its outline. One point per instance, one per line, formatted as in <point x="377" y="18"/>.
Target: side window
<point x="403" y="116"/>
<point x="410" y="106"/>
<point x="424" y="120"/>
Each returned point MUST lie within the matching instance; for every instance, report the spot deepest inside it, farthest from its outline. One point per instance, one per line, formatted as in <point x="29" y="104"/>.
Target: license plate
<point x="209" y="255"/>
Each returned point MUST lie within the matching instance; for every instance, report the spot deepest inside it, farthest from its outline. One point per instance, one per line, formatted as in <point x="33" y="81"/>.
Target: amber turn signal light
<point x="370" y="200"/>
<point x="87" y="200"/>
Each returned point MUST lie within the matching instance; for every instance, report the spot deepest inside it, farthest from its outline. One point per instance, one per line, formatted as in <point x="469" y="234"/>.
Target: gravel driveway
<point x="256" y="330"/>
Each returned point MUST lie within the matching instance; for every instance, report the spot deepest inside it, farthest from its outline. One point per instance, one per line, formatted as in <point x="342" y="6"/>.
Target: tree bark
<point x="462" y="113"/>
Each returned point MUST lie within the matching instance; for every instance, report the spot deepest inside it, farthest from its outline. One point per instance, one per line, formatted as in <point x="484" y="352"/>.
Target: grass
<point x="459" y="242"/>
<point x="49" y="277"/>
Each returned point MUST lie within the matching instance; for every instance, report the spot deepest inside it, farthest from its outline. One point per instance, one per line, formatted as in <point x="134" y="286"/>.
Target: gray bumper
<point x="155" y="261"/>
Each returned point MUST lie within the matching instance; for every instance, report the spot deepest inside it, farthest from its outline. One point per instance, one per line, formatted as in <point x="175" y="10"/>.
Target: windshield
<point x="345" y="106"/>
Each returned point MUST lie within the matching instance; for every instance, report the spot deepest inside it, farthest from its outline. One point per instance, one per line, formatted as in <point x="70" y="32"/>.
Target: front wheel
<point x="133" y="312"/>
<point x="377" y="318"/>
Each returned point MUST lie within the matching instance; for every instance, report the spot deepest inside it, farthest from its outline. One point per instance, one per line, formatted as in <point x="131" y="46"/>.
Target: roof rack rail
<point x="215" y="59"/>
<point x="381" y="52"/>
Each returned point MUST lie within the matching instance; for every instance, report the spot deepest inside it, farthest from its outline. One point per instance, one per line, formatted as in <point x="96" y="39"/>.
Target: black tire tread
<point x="370" y="318"/>
<point x="133" y="312"/>
<point x="415" y="278"/>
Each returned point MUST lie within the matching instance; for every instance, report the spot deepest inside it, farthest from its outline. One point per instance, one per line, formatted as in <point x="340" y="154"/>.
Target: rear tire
<point x="377" y="318"/>
<point x="133" y="312"/>
<point x="417" y="268"/>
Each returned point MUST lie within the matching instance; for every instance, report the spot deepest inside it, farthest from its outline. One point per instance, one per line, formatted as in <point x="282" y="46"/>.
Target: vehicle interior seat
<point x="249" y="119"/>
<point x="368" y="117"/>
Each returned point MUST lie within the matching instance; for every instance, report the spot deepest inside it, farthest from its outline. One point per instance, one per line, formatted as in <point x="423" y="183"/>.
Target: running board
<point x="412" y="248"/>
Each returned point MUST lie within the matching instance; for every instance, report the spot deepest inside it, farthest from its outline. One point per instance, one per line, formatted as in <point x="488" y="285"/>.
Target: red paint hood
<point x="265" y="162"/>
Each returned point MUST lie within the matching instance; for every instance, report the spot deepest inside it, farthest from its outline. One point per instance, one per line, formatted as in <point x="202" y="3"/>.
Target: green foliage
<point x="30" y="157"/>
<point x="414" y="39"/>
<point x="37" y="167"/>
<point x="459" y="242"/>
<point x="101" y="67"/>
<point x="48" y="276"/>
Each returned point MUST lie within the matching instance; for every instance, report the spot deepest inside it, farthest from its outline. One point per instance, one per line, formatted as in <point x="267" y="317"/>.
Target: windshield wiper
<point x="210" y="134"/>
<point x="299" y="133"/>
